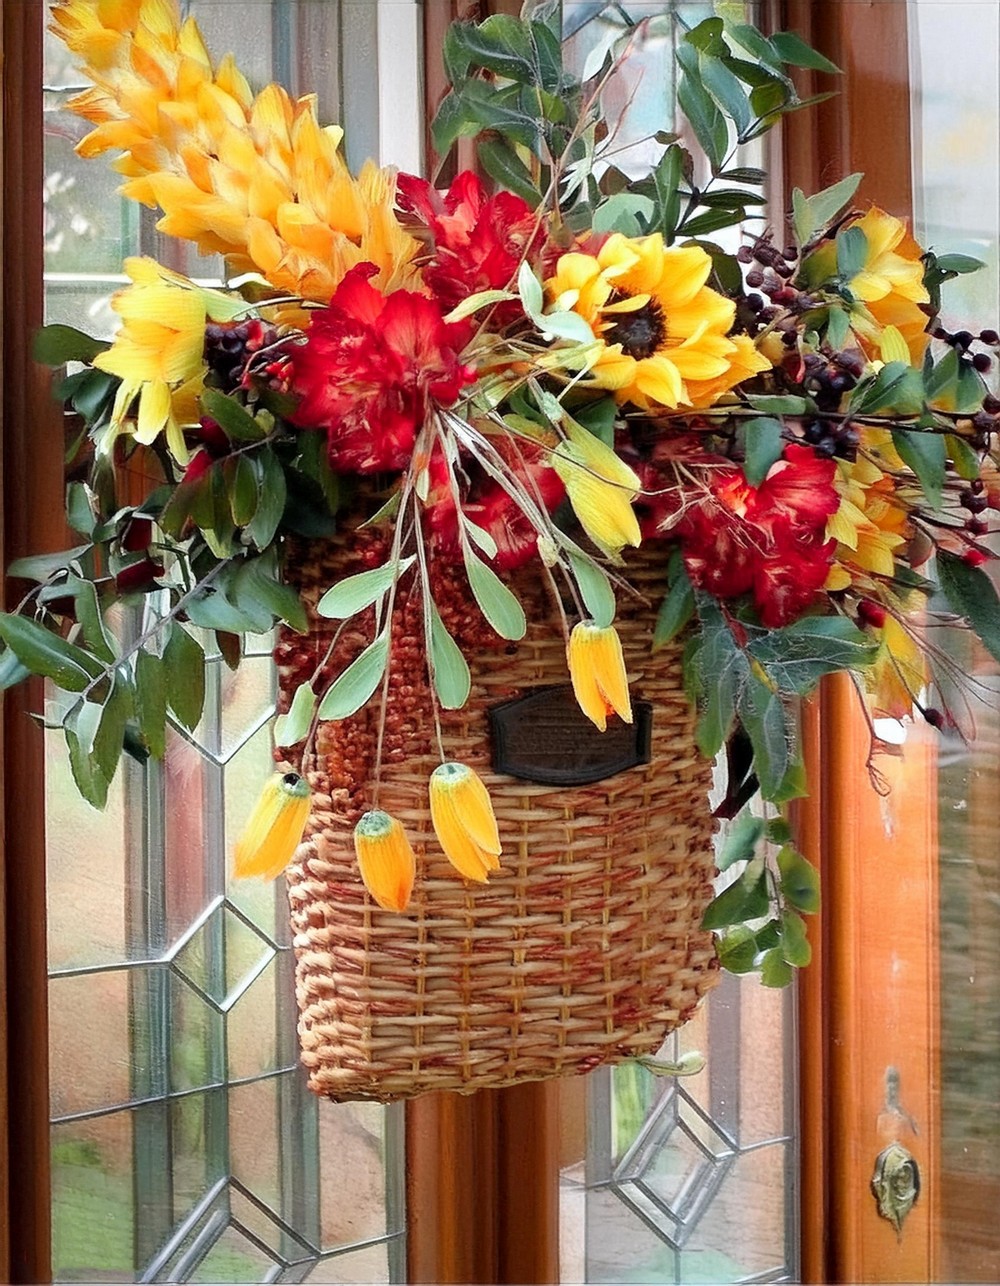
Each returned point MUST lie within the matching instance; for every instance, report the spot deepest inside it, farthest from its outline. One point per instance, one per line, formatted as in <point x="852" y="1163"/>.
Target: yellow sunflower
<point x="664" y="332"/>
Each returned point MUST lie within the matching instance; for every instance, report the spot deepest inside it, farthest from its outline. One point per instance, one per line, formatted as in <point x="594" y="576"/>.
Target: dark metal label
<point x="545" y="737"/>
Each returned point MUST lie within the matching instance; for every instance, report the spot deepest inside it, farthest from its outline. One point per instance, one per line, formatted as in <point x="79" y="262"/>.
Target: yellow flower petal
<point x="385" y="859"/>
<point x="274" y="829"/>
<point x="464" y="821"/>
<point x="597" y="672"/>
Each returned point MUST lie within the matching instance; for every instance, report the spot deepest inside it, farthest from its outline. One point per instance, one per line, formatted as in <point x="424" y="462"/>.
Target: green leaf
<point x="797" y="656"/>
<point x="926" y="453"/>
<point x="184" y="663"/>
<point x="42" y="567"/>
<point x="755" y="43"/>
<point x="741" y="840"/>
<point x="257" y="582"/>
<point x="45" y="653"/>
<point x="482" y="299"/>
<point x="803" y="219"/>
<point x="852" y="252"/>
<point x="780" y="404"/>
<point x="764" y="445"/>
<point x="799" y="881"/>
<point x="838" y="327"/>
<point x="958" y="263"/>
<point x="57" y="344"/>
<point x="11" y="670"/>
<point x="726" y="89"/>
<point x="676" y="610"/>
<point x="775" y="971"/>
<point x="452" y="680"/>
<point x="707" y="34"/>
<point x="79" y="510"/>
<point x="79" y="732"/>
<point x="737" y="949"/>
<point x="794" y="943"/>
<point x="667" y="184"/>
<point x="243" y="485"/>
<point x="599" y="418"/>
<point x="778" y="831"/>
<point x="355" y="685"/>
<point x="530" y="290"/>
<point x="151" y="701"/>
<point x="971" y="594"/>
<point x="744" y="899"/>
<point x="626" y="212"/>
<point x="964" y="459"/>
<point x="480" y="537"/>
<point x="722" y="670"/>
<point x="497" y="603"/>
<point x="745" y="174"/>
<point x="500" y="44"/>
<point x="711" y="221"/>
<point x="451" y="122"/>
<point x="233" y="419"/>
<point x="503" y="164"/>
<point x="354" y="593"/>
<point x="88" y="613"/>
<point x="595" y="589"/>
<point x="793" y="49"/>
<point x="766" y="721"/>
<point x="293" y="727"/>
<point x="768" y="100"/>
<point x="110" y="732"/>
<point x="695" y="102"/>
<point x="824" y="206"/>
<point x="273" y="491"/>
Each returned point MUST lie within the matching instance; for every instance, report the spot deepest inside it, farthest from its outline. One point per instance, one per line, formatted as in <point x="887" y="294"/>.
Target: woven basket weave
<point x="585" y="948"/>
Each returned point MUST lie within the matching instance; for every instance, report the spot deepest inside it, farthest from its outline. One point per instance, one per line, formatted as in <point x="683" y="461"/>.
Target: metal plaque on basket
<point x="545" y="737"/>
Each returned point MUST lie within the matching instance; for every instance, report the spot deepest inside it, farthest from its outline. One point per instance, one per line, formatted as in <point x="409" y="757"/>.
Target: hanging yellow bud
<point x="597" y="669"/>
<point x="274" y="828"/>
<point x="601" y="488"/>
<point x="464" y="821"/>
<point x="385" y="858"/>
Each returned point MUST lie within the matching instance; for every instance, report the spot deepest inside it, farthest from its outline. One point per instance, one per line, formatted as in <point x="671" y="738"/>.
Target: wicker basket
<point x="585" y="948"/>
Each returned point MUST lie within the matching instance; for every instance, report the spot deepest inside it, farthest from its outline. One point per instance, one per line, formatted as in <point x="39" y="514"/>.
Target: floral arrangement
<point x="542" y="368"/>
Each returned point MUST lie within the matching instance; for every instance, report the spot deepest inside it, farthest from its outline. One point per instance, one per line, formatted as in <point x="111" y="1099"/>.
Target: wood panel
<point x="31" y="455"/>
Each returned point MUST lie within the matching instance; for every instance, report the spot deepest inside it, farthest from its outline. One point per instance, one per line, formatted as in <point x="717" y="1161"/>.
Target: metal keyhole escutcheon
<point x="895" y="1183"/>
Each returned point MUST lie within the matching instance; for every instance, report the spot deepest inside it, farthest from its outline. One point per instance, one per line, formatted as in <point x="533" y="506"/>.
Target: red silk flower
<point x="767" y="541"/>
<point x="369" y="368"/>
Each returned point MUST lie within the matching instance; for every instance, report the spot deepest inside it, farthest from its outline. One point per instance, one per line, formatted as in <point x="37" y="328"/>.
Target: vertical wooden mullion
<point x="32" y="509"/>
<point x="869" y="1002"/>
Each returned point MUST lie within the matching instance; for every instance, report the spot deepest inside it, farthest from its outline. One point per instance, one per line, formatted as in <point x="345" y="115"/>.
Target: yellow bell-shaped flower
<point x="464" y="821"/>
<point x="386" y="860"/>
<point x="597" y="669"/>
<point x="601" y="488"/>
<point x="274" y="828"/>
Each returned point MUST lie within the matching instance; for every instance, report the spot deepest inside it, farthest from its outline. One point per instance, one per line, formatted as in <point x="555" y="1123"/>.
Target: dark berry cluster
<point x="230" y="349"/>
<point x="831" y="437"/>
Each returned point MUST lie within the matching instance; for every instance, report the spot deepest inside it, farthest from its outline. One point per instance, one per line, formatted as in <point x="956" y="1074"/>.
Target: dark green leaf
<point x="852" y="252"/>
<point x="11" y="670"/>
<point x="45" y="653"/>
<point x="838" y="327"/>
<point x="355" y="685"/>
<point x="764" y="445"/>
<point x="676" y="610"/>
<point x="780" y="404"/>
<point x="707" y="34"/>
<point x="625" y="212"/>
<point x="242" y="483"/>
<point x="42" y="567"/>
<point x="88" y="613"/>
<point x="726" y="89"/>
<point x="959" y="263"/>
<point x="235" y="420"/>
<point x="794" y="942"/>
<point x="79" y="732"/>
<point x="503" y="164"/>
<point x="741" y="840"/>
<point x="745" y="174"/>
<point x="107" y="747"/>
<point x="778" y="831"/>
<point x="799" y="881"/>
<point x="151" y="701"/>
<point x="797" y="656"/>
<point x="755" y="43"/>
<point x="743" y="900"/>
<point x="599" y="418"/>
<point x="793" y="49"/>
<point x="971" y="594"/>
<point x="964" y="459"/>
<point x="451" y="121"/>
<point x="257" y="583"/>
<point x="763" y="715"/>
<point x="775" y="971"/>
<point x="723" y="669"/>
<point x="711" y="221"/>
<point x="273" y="492"/>
<point x="184" y="662"/>
<point x="500" y="44"/>
<point x="737" y="949"/>
<point x="927" y="455"/>
<point x="667" y="181"/>
<point x="79" y="511"/>
<point x="57" y="344"/>
<point x="767" y="100"/>
<point x="706" y="120"/>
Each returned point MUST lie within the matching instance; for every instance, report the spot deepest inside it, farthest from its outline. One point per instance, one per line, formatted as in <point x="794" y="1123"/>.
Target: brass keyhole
<point x="896" y="1183"/>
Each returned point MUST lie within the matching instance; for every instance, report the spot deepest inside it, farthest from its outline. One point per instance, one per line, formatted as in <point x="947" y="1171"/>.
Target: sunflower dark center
<point x="641" y="332"/>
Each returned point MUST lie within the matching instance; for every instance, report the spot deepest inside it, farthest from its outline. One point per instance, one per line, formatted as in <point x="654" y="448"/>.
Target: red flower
<point x="477" y="241"/>
<point x="488" y="505"/>
<point x="370" y="366"/>
<point x="767" y="541"/>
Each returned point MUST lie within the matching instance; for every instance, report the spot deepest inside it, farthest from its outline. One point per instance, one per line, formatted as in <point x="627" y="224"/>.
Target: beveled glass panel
<point x="92" y="1199"/>
<point x="253" y="1041"/>
<point x="368" y="1264"/>
<point x="352" y="1142"/>
<point x="234" y="1258"/>
<point x="91" y="1073"/>
<point x="196" y="1039"/>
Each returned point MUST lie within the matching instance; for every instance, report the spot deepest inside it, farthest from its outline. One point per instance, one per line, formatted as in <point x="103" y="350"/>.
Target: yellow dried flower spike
<point x="274" y="828"/>
<point x="464" y="821"/>
<point x="597" y="669"/>
<point x="386" y="860"/>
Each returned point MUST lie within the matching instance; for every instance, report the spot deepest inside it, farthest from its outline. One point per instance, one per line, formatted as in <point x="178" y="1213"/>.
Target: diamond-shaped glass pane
<point x="234" y="1258"/>
<point x="223" y="956"/>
